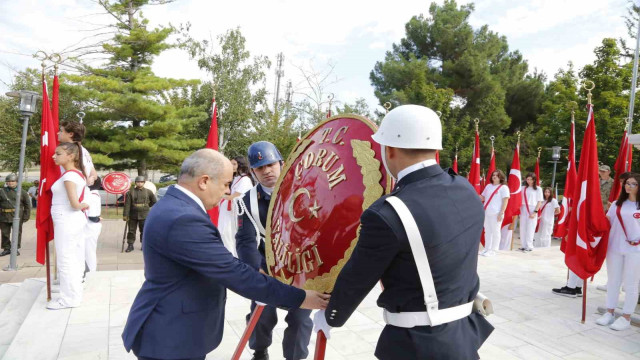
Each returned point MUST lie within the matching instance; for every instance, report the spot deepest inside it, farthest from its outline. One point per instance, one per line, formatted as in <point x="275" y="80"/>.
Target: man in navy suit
<point x="422" y="241"/>
<point x="179" y="311"/>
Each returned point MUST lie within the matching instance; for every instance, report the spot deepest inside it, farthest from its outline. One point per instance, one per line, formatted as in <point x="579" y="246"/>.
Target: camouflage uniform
<point x="136" y="208"/>
<point x="7" y="210"/>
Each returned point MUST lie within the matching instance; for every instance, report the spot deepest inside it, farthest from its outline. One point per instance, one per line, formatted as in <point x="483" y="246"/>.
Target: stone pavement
<point x="530" y="321"/>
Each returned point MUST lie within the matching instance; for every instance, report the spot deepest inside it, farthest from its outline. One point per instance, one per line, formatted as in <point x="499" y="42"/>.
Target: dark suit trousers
<point x="131" y="233"/>
<point x="5" y="228"/>
<point x="296" y="335"/>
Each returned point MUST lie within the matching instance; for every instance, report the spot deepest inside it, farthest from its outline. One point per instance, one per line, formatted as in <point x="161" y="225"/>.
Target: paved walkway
<point x="530" y="321"/>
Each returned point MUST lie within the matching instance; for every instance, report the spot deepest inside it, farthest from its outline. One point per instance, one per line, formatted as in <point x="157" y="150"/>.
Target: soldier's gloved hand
<point x="125" y="218"/>
<point x="320" y="323"/>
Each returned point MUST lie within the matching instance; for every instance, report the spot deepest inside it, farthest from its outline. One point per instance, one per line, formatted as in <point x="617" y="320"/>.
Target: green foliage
<point x="135" y="118"/>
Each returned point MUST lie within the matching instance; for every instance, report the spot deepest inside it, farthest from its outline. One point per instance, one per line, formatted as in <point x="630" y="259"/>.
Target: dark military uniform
<point x="450" y="218"/>
<point x="299" y="325"/>
<point x="136" y="208"/>
<point x="7" y="211"/>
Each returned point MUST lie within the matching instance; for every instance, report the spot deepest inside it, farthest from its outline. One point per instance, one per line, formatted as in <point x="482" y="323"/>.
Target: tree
<point x="444" y="64"/>
<point x="131" y="118"/>
<point x="239" y="82"/>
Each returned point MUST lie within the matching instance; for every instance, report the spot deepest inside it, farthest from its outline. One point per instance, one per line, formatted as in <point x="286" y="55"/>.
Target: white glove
<point x="259" y="303"/>
<point x="320" y="323"/>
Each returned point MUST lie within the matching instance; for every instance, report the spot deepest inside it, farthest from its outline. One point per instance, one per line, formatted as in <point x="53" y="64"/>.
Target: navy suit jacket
<point x="450" y="218"/>
<point x="179" y="311"/>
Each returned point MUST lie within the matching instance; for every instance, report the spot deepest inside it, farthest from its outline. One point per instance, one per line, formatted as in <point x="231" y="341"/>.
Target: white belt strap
<point x="255" y="213"/>
<point x="433" y="315"/>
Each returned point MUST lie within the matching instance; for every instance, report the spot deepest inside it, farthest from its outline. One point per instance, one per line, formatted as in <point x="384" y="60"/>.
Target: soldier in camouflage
<point x="606" y="182"/>
<point x="136" y="208"/>
<point x="8" y="195"/>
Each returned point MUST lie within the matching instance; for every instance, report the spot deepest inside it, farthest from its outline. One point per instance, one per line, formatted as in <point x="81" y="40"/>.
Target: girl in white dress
<point x="623" y="255"/>
<point x="550" y="208"/>
<point x="228" y="214"/>
<point x="531" y="203"/>
<point x="69" y="223"/>
<point x="495" y="197"/>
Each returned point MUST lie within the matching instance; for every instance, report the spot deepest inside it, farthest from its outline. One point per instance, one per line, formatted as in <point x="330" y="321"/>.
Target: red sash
<point x="526" y="202"/>
<point x="491" y="197"/>
<point x="540" y="215"/>
<point x="632" y="243"/>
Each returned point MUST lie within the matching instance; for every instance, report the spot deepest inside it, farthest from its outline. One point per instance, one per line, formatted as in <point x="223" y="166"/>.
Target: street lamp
<point x="555" y="157"/>
<point x="27" y="108"/>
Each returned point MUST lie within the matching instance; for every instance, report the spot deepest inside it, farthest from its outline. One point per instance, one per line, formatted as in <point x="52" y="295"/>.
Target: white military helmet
<point x="410" y="127"/>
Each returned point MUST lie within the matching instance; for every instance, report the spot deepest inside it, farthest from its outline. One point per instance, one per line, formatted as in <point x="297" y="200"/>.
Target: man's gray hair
<point x="202" y="162"/>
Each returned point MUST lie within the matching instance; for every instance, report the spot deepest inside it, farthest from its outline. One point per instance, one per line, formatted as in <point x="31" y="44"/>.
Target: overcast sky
<point x="353" y="35"/>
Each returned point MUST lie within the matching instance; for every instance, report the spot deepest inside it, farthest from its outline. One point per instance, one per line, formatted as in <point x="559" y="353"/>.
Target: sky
<point x="350" y="35"/>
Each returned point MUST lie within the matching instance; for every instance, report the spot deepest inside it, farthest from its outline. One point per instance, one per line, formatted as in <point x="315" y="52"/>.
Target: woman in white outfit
<point x="623" y="255"/>
<point x="495" y="197"/>
<point x="531" y="202"/>
<point x="228" y="215"/>
<point x="548" y="212"/>
<point x="69" y="223"/>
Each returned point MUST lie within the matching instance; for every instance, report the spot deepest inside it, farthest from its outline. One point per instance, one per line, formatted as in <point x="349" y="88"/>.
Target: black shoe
<point x="522" y="249"/>
<point x="129" y="248"/>
<point x="565" y="291"/>
<point x="5" y="252"/>
<point x="260" y="355"/>
<point x="579" y="291"/>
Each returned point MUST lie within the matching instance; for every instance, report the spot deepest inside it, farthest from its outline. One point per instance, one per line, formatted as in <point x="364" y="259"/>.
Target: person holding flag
<point x="69" y="221"/>
<point x="495" y="197"/>
<point x="547" y="213"/>
<point x="531" y="203"/>
<point x="515" y="200"/>
<point x="623" y="255"/>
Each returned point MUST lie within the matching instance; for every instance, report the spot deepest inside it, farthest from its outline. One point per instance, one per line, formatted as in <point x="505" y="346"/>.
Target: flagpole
<point x="632" y="93"/>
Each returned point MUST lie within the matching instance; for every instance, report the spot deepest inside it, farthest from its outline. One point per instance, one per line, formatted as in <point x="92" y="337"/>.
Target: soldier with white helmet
<point x="421" y="242"/>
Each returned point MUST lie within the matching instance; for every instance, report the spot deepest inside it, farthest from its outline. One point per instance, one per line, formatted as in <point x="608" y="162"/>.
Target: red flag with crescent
<point x="332" y="175"/>
<point x="588" y="236"/>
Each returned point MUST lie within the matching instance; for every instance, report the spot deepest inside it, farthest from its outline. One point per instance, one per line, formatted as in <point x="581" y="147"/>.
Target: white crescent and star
<point x="313" y="209"/>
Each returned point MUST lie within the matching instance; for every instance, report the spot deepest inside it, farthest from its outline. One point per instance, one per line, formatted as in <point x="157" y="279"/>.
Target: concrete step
<point x="41" y="333"/>
<point x="16" y="310"/>
<point x="6" y="293"/>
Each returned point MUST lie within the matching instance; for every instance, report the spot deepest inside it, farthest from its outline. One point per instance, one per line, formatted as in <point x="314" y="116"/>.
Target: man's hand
<point x="320" y="323"/>
<point x="125" y="218"/>
<point x="315" y="300"/>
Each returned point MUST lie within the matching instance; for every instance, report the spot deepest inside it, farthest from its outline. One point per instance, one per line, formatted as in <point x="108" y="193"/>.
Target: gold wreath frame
<point x="371" y="176"/>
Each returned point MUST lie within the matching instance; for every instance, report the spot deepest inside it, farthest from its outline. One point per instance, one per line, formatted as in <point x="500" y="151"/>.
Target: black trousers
<point x="296" y="336"/>
<point x="5" y="228"/>
<point x="131" y="234"/>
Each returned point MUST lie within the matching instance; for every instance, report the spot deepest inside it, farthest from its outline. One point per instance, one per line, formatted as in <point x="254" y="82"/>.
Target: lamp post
<point x="27" y="109"/>
<point x="555" y="157"/>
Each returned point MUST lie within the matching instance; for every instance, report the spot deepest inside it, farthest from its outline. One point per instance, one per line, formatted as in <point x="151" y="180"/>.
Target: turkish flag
<point x="474" y="172"/>
<point x="569" y="188"/>
<point x="455" y="164"/>
<point x="514" y="182"/>
<point x="588" y="236"/>
<point x="492" y="167"/>
<point x="212" y="143"/>
<point x="622" y="165"/>
<point x="55" y="101"/>
<point x="49" y="173"/>
<point x="536" y="171"/>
